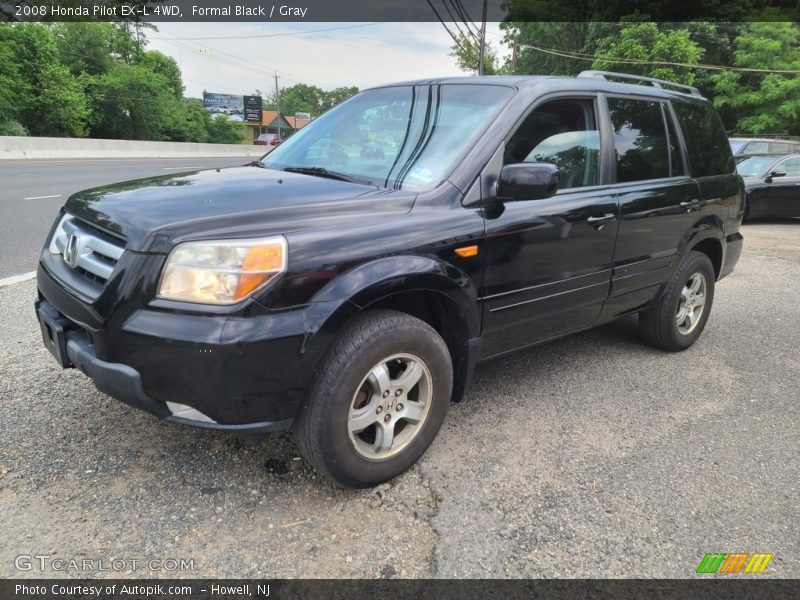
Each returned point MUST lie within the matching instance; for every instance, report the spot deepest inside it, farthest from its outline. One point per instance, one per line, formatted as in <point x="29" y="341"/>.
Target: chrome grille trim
<point x="84" y="250"/>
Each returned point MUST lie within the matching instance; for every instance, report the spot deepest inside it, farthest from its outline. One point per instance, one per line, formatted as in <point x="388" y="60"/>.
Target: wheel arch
<point x="706" y="236"/>
<point x="424" y="287"/>
<point x="713" y="248"/>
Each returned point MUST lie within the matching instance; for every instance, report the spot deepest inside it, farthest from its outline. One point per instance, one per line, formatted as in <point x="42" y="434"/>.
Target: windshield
<point x="755" y="166"/>
<point x="403" y="137"/>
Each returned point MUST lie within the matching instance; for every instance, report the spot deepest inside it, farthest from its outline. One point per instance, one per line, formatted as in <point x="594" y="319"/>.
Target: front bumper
<point x="247" y="371"/>
<point x="72" y="347"/>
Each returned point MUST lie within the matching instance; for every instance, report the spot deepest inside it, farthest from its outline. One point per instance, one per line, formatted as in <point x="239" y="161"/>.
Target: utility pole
<point x="514" y="58"/>
<point x="278" y="102"/>
<point x="482" y="53"/>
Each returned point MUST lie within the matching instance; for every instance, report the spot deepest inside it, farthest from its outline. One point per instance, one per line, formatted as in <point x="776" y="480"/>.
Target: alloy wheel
<point x="390" y="406"/>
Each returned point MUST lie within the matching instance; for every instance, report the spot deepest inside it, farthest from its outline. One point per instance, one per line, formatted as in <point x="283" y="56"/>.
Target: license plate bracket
<point x="53" y="328"/>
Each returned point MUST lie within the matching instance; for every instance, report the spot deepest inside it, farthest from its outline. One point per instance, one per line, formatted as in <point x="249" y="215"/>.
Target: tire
<point x="360" y="384"/>
<point x="674" y="323"/>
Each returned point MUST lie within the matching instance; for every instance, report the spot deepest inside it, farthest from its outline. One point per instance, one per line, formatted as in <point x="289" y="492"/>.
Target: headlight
<point x="222" y="271"/>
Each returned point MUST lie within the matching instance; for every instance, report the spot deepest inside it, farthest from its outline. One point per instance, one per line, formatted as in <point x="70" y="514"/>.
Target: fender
<point x="378" y="279"/>
<point x="709" y="227"/>
<point x="353" y="291"/>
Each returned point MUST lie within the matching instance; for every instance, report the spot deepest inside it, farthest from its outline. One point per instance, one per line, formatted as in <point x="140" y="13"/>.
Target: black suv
<point x="352" y="303"/>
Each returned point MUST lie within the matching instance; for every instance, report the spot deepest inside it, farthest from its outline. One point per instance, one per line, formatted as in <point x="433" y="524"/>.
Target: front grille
<point x="90" y="252"/>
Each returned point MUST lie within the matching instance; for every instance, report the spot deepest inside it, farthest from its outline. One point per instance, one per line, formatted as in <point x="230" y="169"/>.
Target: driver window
<point x="562" y="132"/>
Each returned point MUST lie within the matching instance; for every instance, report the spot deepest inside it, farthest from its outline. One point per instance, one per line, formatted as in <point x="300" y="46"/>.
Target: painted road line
<point x="43" y="197"/>
<point x="17" y="279"/>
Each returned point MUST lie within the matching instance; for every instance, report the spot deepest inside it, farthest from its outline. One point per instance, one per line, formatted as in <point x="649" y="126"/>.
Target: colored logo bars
<point x="734" y="562"/>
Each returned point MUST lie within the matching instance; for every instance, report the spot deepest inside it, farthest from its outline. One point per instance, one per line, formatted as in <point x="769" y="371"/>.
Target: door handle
<point x="690" y="205"/>
<point x="599" y="222"/>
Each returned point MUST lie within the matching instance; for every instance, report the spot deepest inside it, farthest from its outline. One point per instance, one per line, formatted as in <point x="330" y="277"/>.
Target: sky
<point x="327" y="55"/>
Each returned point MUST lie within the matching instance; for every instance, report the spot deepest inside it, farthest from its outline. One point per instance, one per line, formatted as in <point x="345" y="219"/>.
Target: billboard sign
<point x="238" y="108"/>
<point x="252" y="108"/>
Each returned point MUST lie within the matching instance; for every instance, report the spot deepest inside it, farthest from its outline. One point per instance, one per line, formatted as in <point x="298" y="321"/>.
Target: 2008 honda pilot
<point x="349" y="297"/>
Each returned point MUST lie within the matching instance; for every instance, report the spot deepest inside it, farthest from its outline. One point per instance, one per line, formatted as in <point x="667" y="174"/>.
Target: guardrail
<point x="20" y="148"/>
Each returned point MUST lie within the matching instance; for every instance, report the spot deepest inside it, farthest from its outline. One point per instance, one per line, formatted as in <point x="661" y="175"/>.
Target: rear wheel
<point x="378" y="401"/>
<point x="680" y="316"/>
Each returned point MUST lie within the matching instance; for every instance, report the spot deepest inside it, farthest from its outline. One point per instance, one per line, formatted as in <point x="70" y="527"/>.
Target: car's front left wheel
<point x="378" y="401"/>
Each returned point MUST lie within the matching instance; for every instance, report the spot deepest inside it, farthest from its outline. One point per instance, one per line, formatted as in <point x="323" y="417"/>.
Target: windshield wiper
<point x="322" y="172"/>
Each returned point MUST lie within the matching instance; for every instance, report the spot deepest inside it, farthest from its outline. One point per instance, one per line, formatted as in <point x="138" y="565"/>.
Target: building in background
<point x="249" y="111"/>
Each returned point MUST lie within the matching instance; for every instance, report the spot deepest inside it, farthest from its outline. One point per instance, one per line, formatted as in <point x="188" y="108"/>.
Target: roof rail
<point x="659" y="83"/>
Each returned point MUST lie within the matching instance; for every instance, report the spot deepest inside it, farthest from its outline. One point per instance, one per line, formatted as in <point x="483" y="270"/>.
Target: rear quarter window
<point x="706" y="141"/>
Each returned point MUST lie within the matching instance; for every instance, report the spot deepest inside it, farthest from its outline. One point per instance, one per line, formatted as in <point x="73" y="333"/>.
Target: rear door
<point x="549" y="261"/>
<point x="659" y="200"/>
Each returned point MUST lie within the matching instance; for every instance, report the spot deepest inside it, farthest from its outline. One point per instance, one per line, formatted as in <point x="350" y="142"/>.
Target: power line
<point x="467" y="35"/>
<point x="233" y="60"/>
<point x="593" y="58"/>
<point x="268" y="70"/>
<point x="462" y="12"/>
<point x="446" y="28"/>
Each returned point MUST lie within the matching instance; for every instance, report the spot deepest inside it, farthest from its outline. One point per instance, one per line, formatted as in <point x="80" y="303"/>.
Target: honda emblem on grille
<point x="71" y="250"/>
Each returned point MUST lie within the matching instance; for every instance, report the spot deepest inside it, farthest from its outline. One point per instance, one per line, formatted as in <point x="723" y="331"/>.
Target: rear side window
<point x="779" y="148"/>
<point x="757" y="148"/>
<point x="736" y="145"/>
<point x="640" y="139"/>
<point x="706" y="141"/>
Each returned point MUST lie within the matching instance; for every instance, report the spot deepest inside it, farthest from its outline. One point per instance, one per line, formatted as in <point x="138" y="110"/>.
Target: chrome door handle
<point x="599" y="222"/>
<point x="689" y="205"/>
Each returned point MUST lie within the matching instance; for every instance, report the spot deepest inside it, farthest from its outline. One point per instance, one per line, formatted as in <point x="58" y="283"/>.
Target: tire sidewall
<point x="340" y="455"/>
<point x="698" y="263"/>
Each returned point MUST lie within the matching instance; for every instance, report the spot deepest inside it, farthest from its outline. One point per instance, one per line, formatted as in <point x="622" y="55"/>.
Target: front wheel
<point x="678" y="319"/>
<point x="378" y="400"/>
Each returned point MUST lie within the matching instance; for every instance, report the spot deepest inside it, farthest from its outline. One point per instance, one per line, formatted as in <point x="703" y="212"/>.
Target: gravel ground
<point x="593" y="456"/>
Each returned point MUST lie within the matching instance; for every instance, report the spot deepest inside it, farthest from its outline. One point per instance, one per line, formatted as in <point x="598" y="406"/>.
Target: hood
<point x="750" y="182"/>
<point x="155" y="213"/>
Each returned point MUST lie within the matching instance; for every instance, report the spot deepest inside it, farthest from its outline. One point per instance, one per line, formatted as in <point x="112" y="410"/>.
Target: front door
<point x="549" y="262"/>
<point x="783" y="195"/>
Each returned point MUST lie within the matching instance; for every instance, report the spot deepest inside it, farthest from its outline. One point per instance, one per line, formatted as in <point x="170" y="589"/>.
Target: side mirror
<point x="527" y="181"/>
<point x="772" y="174"/>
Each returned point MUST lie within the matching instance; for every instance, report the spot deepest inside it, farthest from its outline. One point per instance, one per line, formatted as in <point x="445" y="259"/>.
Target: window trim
<point x="602" y="126"/>
<point x="661" y="102"/>
<point x="684" y="150"/>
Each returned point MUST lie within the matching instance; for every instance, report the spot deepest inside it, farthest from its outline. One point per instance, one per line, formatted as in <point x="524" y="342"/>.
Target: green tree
<point x="644" y="49"/>
<point x="312" y="99"/>
<point x="86" y="47"/>
<point x="546" y="48"/>
<point x="222" y="130"/>
<point x="189" y="122"/>
<point x="337" y="96"/>
<point x="131" y="101"/>
<point x="467" y="54"/>
<point x="763" y="102"/>
<point x="47" y="99"/>
<point x="11" y="83"/>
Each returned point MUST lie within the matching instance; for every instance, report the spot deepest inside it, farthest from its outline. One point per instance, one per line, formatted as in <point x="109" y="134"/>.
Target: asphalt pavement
<point x="32" y="192"/>
<point x="592" y="456"/>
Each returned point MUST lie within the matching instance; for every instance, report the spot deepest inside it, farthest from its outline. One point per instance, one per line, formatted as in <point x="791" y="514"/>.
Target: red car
<point x="268" y="139"/>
